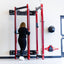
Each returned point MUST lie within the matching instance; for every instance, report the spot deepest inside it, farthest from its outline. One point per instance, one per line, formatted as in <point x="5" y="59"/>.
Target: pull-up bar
<point x="21" y="7"/>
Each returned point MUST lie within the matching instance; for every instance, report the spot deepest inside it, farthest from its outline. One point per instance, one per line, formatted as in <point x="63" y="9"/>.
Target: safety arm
<point x="38" y="8"/>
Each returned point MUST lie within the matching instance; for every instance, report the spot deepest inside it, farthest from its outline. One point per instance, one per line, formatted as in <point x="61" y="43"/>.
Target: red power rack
<point x="28" y="26"/>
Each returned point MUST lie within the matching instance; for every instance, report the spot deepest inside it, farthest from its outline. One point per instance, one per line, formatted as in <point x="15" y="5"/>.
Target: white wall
<point x="7" y="24"/>
<point x="52" y="11"/>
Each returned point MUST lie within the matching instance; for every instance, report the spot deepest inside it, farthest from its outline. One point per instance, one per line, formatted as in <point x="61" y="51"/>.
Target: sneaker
<point x="21" y="58"/>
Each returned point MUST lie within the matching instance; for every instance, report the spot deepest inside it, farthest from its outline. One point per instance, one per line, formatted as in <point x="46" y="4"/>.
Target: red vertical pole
<point x="42" y="27"/>
<point x="28" y="26"/>
<point x="15" y="31"/>
<point x="36" y="35"/>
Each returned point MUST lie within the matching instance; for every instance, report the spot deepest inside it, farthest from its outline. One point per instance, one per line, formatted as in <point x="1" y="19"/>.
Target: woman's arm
<point x="27" y="32"/>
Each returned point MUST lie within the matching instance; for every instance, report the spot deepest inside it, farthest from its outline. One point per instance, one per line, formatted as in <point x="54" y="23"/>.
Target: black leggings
<point x="22" y="44"/>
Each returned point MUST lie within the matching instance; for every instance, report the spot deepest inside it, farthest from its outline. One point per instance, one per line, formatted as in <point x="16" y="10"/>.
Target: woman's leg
<point x="22" y="44"/>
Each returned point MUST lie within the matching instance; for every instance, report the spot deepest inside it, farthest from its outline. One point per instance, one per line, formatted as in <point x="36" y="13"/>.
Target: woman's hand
<point x="29" y="30"/>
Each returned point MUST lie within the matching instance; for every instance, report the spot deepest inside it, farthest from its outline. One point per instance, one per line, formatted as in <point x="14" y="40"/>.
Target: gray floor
<point x="33" y="61"/>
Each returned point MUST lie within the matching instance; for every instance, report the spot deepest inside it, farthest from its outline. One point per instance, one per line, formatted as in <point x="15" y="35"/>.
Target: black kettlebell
<point x="51" y="29"/>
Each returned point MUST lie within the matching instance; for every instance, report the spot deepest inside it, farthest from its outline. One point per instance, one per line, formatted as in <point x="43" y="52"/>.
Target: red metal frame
<point x="36" y="34"/>
<point x="15" y="31"/>
<point x="42" y="27"/>
<point x="28" y="26"/>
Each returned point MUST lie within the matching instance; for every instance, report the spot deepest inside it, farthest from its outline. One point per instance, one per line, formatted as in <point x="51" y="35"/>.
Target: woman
<point x="23" y="31"/>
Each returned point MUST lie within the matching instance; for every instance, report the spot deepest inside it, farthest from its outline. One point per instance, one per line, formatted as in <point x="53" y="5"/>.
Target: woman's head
<point x="22" y="25"/>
